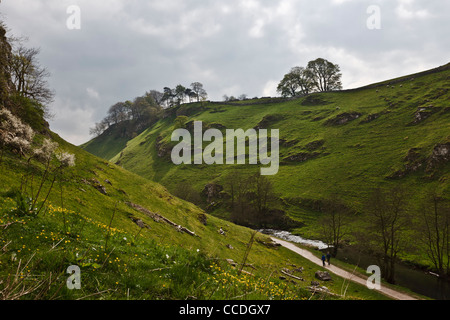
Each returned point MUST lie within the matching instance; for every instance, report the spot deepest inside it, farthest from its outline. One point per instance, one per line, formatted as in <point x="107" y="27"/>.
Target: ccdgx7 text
<point x="237" y="309"/>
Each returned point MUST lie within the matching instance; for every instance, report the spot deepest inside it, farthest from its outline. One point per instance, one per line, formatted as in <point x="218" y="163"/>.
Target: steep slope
<point x="335" y="145"/>
<point x="129" y="237"/>
<point x="344" y="143"/>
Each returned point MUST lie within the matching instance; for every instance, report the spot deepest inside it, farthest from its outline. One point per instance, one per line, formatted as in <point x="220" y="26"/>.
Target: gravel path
<point x="340" y="272"/>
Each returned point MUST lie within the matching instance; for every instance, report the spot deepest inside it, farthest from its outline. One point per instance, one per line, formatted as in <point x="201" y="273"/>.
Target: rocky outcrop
<point x="100" y="188"/>
<point x="6" y="85"/>
<point x="414" y="161"/>
<point x="424" y="113"/>
<point x="96" y="184"/>
<point x="439" y="156"/>
<point x="343" y="118"/>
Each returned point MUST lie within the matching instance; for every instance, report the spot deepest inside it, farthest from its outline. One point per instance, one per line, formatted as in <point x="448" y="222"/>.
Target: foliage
<point x="319" y="76"/>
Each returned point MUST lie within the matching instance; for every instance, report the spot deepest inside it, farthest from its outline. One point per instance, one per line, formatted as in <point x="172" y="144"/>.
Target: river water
<point x="414" y="279"/>
<point x="286" y="235"/>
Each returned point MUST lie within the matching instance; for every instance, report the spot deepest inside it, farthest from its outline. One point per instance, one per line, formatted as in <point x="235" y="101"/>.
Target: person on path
<point x="328" y="258"/>
<point x="323" y="259"/>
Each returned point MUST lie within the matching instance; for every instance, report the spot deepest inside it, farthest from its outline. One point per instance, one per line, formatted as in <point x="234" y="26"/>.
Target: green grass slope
<point x="351" y="140"/>
<point x="343" y="143"/>
<point x="90" y="220"/>
<point x="107" y="145"/>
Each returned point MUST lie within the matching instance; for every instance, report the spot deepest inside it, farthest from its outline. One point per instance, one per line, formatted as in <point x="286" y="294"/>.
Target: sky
<point x="116" y="50"/>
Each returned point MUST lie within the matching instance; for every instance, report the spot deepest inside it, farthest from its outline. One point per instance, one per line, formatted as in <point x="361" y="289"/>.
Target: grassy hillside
<point x="111" y="142"/>
<point x="347" y="159"/>
<point x="340" y="144"/>
<point x="116" y="226"/>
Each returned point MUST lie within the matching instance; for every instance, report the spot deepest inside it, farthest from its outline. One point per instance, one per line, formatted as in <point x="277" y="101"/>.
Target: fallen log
<point x="292" y="276"/>
<point x="157" y="218"/>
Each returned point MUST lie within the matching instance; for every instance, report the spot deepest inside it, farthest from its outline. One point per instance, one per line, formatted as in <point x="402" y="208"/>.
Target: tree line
<point x="147" y="109"/>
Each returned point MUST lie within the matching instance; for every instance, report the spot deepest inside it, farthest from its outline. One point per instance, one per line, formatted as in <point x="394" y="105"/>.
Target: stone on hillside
<point x="440" y="155"/>
<point x="343" y="118"/>
<point x="323" y="276"/>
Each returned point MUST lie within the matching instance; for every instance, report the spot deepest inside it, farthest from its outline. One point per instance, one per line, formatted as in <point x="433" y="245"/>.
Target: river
<point x="416" y="280"/>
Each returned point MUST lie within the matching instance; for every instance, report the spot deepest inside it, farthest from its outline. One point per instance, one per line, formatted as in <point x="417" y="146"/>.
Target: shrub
<point x="14" y="134"/>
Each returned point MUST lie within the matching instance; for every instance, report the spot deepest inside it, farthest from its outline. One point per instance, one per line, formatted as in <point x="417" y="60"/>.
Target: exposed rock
<point x="423" y="113"/>
<point x="96" y="184"/>
<point x="6" y="85"/>
<point x="323" y="276"/>
<point x="415" y="161"/>
<point x="440" y="155"/>
<point x="343" y="118"/>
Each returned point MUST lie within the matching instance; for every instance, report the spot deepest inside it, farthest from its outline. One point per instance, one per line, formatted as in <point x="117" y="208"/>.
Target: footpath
<point x="340" y="272"/>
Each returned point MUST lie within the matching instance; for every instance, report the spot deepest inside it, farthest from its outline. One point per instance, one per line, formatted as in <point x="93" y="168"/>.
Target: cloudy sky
<point x="127" y="47"/>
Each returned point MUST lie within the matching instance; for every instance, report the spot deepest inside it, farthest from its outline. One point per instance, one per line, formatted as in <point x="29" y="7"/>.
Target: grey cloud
<point x="125" y="48"/>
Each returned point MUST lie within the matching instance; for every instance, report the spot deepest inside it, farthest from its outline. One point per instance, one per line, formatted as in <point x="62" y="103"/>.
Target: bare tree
<point x="335" y="222"/>
<point x="251" y="198"/>
<point x="98" y="129"/>
<point x="28" y="77"/>
<point x="387" y="220"/>
<point x="434" y="223"/>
